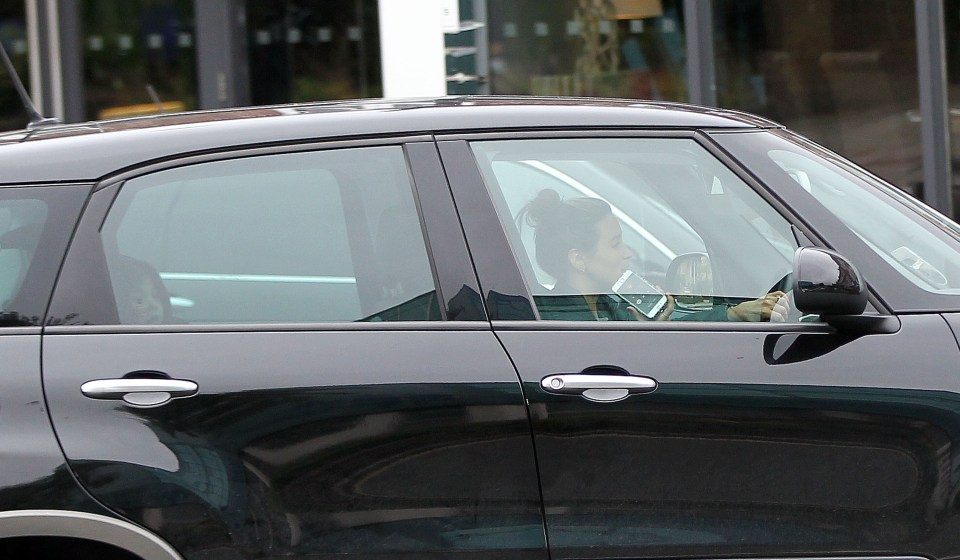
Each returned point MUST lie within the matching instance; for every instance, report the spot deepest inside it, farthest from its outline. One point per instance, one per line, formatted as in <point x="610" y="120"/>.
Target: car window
<point x="306" y="237"/>
<point x="667" y="217"/>
<point x="21" y="223"/>
<point x="923" y="246"/>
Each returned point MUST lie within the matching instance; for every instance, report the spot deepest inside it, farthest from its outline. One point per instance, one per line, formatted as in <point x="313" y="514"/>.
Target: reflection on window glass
<point x="137" y="53"/>
<point x="13" y="34"/>
<point x="638" y="229"/>
<point x="951" y="22"/>
<point x="307" y="50"/>
<point x="313" y="237"/>
<point x="21" y="223"/>
<point x="587" y="47"/>
<point x="841" y="72"/>
<point x="465" y="62"/>
<point x="925" y="251"/>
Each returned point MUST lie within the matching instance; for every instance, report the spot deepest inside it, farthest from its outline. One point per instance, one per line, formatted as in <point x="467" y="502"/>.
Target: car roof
<point x="89" y="151"/>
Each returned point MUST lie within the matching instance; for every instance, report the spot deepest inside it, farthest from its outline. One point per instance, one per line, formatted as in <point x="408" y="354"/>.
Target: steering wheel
<point x="785" y="285"/>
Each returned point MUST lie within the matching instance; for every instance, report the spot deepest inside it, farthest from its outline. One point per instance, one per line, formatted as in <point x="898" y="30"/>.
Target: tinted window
<point x="21" y="222"/>
<point x="664" y="209"/>
<point x="915" y="240"/>
<point x="906" y="251"/>
<point x="35" y="225"/>
<point x="306" y="237"/>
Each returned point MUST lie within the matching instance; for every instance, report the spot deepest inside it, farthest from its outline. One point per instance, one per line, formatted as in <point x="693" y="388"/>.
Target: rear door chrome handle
<point x="598" y="387"/>
<point x="139" y="392"/>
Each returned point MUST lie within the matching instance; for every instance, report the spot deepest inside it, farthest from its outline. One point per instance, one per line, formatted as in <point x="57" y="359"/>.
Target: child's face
<point x="145" y="304"/>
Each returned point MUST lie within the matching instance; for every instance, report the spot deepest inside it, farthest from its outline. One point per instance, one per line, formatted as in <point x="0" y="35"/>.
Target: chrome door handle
<point x="139" y="392"/>
<point x="596" y="387"/>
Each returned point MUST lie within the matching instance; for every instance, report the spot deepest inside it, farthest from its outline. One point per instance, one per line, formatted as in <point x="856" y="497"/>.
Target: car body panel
<point x="773" y="441"/>
<point x="296" y="444"/>
<point x="35" y="474"/>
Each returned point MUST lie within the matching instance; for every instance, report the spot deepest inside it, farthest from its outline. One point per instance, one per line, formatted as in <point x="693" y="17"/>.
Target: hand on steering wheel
<point x="773" y="307"/>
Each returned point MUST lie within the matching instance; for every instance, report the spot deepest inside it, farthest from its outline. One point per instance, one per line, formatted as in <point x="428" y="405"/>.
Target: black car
<point x="473" y="327"/>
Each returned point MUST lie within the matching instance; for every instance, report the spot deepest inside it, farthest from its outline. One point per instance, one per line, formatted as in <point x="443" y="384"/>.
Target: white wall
<point x="411" y="48"/>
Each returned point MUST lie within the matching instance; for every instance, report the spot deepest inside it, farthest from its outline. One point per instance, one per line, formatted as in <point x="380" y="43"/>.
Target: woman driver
<point x="579" y="242"/>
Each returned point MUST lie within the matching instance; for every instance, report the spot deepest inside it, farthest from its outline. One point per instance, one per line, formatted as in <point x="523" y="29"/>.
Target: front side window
<point x="911" y="251"/>
<point x="326" y="236"/>
<point x="638" y="229"/>
<point x="920" y="244"/>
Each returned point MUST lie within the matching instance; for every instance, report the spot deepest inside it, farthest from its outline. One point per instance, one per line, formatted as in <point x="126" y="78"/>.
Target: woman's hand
<point x="662" y="316"/>
<point x="772" y="307"/>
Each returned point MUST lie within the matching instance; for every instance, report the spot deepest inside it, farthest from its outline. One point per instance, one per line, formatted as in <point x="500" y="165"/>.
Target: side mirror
<point x="829" y="285"/>
<point x="825" y="283"/>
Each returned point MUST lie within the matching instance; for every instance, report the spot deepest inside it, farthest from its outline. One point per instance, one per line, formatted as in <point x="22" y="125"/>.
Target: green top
<point x="575" y="308"/>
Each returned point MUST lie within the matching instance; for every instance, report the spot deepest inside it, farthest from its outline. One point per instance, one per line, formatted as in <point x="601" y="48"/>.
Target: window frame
<point x="488" y="249"/>
<point x="85" y="258"/>
<point x="64" y="203"/>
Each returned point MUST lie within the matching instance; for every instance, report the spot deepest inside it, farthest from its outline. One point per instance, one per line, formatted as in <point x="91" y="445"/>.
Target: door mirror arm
<point x="863" y="324"/>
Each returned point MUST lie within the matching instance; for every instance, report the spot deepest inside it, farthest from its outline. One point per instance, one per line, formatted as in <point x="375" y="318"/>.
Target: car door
<point x="253" y="354"/>
<point x="701" y="435"/>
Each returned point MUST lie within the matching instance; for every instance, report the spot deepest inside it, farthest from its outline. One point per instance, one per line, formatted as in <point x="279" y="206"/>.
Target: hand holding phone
<point x="640" y="294"/>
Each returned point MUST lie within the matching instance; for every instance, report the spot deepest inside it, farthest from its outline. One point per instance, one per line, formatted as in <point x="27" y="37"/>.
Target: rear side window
<point x="327" y="236"/>
<point x="21" y="223"/>
<point x="35" y="225"/>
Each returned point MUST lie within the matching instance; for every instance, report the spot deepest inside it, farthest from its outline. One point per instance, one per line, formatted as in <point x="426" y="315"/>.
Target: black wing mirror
<point x="827" y="284"/>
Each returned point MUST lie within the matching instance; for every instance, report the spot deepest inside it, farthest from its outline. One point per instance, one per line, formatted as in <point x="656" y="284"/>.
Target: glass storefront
<point x="612" y="48"/>
<point x="951" y="12"/>
<point x="465" y="61"/>
<point x="842" y="72"/>
<point x="308" y="50"/>
<point x="137" y="54"/>
<point x="13" y="34"/>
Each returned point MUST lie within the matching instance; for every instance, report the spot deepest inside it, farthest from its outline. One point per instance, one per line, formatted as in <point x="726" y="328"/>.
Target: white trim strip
<point x="206" y="277"/>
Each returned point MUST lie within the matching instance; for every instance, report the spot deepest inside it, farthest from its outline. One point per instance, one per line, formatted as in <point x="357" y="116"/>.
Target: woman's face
<point x="610" y="258"/>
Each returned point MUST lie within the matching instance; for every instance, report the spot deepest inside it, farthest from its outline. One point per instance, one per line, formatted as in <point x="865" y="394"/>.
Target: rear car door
<point x="702" y="436"/>
<point x="254" y="354"/>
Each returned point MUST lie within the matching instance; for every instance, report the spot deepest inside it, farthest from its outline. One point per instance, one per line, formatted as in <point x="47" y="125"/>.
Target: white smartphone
<point x="640" y="294"/>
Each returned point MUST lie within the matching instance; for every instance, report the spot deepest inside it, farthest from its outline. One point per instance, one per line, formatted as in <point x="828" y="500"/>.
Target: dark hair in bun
<point x="561" y="225"/>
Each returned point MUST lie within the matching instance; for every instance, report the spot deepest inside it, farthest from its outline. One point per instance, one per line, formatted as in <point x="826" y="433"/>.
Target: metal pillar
<point x="223" y="77"/>
<point x="56" y="59"/>
<point x="701" y="73"/>
<point x="71" y="61"/>
<point x="46" y="87"/>
<point x="935" y="118"/>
